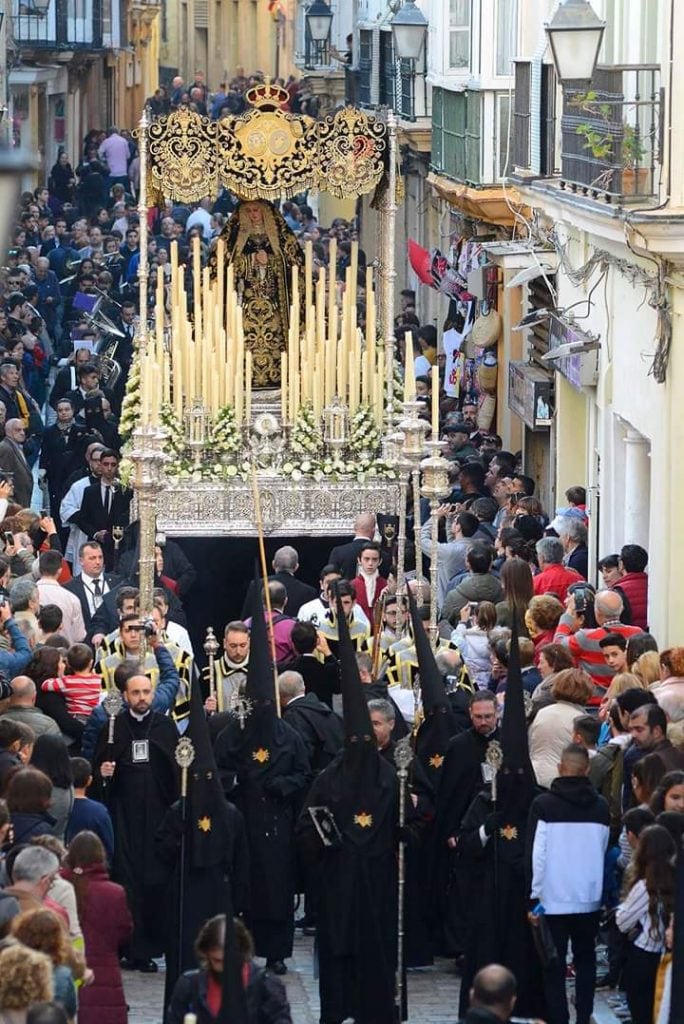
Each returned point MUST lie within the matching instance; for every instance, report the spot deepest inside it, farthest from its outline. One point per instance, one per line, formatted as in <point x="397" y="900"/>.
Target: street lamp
<point x="575" y="34"/>
<point x="318" y="20"/>
<point x="409" y="27"/>
<point x="13" y="163"/>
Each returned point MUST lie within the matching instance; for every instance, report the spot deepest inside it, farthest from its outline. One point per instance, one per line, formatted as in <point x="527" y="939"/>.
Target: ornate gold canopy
<point x="265" y="153"/>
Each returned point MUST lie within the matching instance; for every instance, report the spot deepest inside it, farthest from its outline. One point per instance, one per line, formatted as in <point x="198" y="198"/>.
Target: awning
<point x="484" y="204"/>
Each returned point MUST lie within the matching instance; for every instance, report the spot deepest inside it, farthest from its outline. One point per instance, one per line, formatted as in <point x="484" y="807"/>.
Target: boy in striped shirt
<point x="81" y="687"/>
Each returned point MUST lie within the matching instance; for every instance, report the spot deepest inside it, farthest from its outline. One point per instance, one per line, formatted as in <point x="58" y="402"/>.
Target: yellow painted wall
<point x="571" y="437"/>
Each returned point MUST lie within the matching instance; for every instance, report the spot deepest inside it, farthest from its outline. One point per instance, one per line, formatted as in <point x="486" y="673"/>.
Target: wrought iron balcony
<point x="64" y="25"/>
<point x="611" y="135"/>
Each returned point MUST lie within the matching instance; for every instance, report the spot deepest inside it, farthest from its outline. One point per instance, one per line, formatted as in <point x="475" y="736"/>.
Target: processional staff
<point x="403" y="755"/>
<point x="185" y="755"/>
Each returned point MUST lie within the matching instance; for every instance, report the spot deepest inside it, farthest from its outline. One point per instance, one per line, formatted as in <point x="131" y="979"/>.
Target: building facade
<point x="602" y="173"/>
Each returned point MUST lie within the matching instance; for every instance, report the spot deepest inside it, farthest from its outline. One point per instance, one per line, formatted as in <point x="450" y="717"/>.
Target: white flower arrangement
<point x="358" y="461"/>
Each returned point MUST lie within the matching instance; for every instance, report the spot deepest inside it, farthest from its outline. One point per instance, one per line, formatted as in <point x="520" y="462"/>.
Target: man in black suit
<point x="321" y="678"/>
<point x="105" y="505"/>
<point x="93" y="584"/>
<point x="285" y="564"/>
<point x="13" y="462"/>
<point x="61" y="453"/>
<point x="346" y="556"/>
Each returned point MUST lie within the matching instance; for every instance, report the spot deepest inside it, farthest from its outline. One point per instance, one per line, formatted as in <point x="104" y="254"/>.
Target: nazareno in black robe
<point x="356" y="886"/>
<point x="138" y="796"/>
<point x="264" y="770"/>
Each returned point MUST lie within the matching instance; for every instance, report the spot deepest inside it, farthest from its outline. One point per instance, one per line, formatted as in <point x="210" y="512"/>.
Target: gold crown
<point x="266" y="96"/>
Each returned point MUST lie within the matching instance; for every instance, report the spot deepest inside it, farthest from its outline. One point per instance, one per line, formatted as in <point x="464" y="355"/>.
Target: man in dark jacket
<point x="317" y="724"/>
<point x="648" y="729"/>
<point x="285" y="564"/>
<point x="567" y="837"/>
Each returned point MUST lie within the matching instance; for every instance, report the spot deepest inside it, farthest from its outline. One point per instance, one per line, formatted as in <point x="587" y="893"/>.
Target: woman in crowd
<point x="42" y="930"/>
<point x="541" y="619"/>
<point x="516" y="580"/>
<point x="551" y="658"/>
<point x="61" y="891"/>
<point x="107" y="925"/>
<point x="25" y="979"/>
<point x="51" y="755"/>
<point x="643" y="917"/>
<point x="647" y="774"/>
<point x="199" y="992"/>
<point x="669" y="796"/>
<point x="28" y="798"/>
<point x="553" y="726"/>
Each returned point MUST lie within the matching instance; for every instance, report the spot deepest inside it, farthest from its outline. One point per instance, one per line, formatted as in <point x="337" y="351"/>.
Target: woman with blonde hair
<point x="541" y="618"/>
<point x="620" y="683"/>
<point x="43" y="931"/>
<point x="553" y="727"/>
<point x="648" y="668"/>
<point x="25" y="979"/>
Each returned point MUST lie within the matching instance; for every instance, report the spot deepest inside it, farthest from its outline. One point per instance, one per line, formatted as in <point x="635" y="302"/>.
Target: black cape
<point x="357" y="887"/>
<point x="497" y="929"/>
<point x="461" y="780"/>
<point x="319" y="727"/>
<point x="265" y="771"/>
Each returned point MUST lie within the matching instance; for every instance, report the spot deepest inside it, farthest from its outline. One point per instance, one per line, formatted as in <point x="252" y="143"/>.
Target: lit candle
<point x="435" y="403"/>
<point x="197" y="283"/>
<point x="332" y="274"/>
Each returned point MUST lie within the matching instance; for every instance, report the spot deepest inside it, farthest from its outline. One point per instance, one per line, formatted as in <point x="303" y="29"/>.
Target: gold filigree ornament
<point x="183" y="158"/>
<point x="204" y="824"/>
<point x="261" y="756"/>
<point x="267" y="154"/>
<point x="351" y="153"/>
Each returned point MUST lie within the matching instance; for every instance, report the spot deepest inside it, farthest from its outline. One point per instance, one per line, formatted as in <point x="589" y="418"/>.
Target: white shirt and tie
<point x="106" y="495"/>
<point x="95" y="589"/>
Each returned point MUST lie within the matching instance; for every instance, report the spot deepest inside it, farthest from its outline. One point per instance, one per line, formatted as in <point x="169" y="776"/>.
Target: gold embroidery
<point x="204" y="824"/>
<point x="261" y="755"/>
<point x="363" y="820"/>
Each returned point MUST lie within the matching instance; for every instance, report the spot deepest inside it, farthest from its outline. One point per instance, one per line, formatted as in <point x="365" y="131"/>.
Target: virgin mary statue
<point x="263" y="251"/>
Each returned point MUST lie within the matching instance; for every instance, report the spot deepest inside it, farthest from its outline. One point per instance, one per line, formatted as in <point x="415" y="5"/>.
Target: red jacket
<point x="555" y="579"/>
<point x="634" y="586"/>
<point x="359" y="585"/>
<point x="107" y="925"/>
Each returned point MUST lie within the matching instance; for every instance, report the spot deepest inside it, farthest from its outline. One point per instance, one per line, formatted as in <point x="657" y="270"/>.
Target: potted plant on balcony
<point x="600" y="143"/>
<point x="634" y="176"/>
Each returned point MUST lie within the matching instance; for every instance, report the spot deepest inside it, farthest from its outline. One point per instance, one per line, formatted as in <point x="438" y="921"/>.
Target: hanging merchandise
<point x="487" y="328"/>
<point x="487" y="372"/>
<point x="485" y="413"/>
<point x="452" y="341"/>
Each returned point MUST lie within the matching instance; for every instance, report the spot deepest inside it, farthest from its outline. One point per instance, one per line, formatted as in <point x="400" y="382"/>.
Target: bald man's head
<point x="364" y="525"/>
<point x="494" y="989"/>
<point x="608" y="606"/>
<point x="574" y="761"/>
<point x="23" y="691"/>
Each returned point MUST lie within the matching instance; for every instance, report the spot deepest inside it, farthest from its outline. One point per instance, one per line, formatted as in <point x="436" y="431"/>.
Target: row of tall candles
<point x="326" y="355"/>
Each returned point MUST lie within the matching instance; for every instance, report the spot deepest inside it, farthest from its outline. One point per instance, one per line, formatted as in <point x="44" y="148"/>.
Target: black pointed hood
<point x="513" y="735"/>
<point x="357" y="723"/>
<point x="439" y="724"/>
<point x="432" y="689"/>
<point x="209" y="828"/>
<point x="260" y="685"/>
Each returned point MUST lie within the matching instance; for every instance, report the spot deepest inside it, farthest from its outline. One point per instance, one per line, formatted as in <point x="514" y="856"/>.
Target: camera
<point x="148" y="627"/>
<point x="8" y="538"/>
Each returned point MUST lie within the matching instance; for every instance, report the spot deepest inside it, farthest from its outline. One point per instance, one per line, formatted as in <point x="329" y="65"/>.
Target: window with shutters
<point x="201" y="13"/>
<point x="365" y="66"/>
<point x="534" y="113"/>
<point x="456" y="134"/>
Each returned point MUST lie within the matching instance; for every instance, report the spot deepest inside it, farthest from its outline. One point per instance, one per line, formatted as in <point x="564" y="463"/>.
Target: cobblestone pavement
<point x="433" y="992"/>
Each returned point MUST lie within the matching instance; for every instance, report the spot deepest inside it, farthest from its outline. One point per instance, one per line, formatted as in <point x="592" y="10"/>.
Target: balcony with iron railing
<point x="62" y="25"/>
<point x="611" y="135"/>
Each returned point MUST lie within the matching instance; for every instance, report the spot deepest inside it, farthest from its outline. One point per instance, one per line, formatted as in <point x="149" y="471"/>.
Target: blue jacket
<point x="163" y="700"/>
<point x="13" y="663"/>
